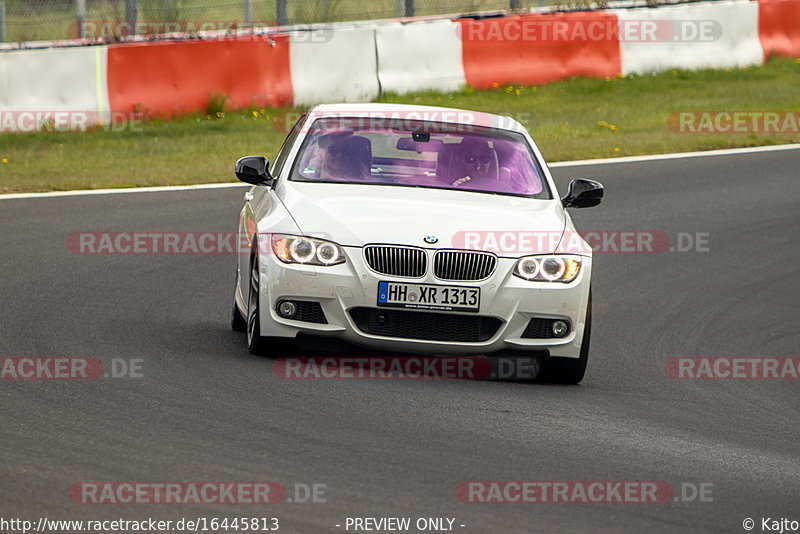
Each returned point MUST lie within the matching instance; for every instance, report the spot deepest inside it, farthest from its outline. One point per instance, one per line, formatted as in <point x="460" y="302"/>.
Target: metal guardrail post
<point x="2" y="21"/>
<point x="281" y="13"/>
<point x="131" y="14"/>
<point x="248" y="11"/>
<point x="81" y="16"/>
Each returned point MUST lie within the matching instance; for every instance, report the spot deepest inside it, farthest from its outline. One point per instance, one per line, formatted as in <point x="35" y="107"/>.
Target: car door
<point x="259" y="201"/>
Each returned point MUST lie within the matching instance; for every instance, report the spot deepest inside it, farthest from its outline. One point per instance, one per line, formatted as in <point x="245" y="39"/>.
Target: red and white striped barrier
<point x="334" y="65"/>
<point x="704" y="35"/>
<point x="176" y="78"/>
<point x="357" y="62"/>
<point x="54" y="80"/>
<point x="539" y="48"/>
<point x="419" y="55"/>
<point x="779" y="27"/>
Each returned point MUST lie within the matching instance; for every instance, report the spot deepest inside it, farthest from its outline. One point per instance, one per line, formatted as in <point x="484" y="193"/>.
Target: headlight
<point x="551" y="268"/>
<point x="306" y="250"/>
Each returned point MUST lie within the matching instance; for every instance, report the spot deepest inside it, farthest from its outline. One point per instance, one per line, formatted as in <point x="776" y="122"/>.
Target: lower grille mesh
<point x="425" y="325"/>
<point x="308" y="311"/>
<point x="540" y="328"/>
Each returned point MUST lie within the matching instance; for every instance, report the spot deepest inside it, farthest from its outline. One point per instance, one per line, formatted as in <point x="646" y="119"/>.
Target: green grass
<point x="572" y="119"/>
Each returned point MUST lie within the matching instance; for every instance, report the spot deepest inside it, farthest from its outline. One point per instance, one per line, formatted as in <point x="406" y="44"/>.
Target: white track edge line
<point x="153" y="189"/>
<point x="678" y="155"/>
<point x="558" y="164"/>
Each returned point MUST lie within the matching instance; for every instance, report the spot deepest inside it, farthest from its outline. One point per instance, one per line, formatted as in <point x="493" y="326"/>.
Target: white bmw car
<point x="416" y="230"/>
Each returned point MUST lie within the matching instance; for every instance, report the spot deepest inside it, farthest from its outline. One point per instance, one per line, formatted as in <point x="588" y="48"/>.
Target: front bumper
<point x="347" y="295"/>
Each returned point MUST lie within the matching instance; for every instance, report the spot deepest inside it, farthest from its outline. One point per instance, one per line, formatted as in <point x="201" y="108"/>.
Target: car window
<point x="420" y="154"/>
<point x="286" y="147"/>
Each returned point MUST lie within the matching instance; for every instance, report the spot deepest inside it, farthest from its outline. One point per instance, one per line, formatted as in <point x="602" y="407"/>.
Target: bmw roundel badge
<point x="431" y="239"/>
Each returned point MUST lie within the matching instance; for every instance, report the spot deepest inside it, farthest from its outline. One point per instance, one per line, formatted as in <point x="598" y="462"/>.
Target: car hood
<point x="354" y="215"/>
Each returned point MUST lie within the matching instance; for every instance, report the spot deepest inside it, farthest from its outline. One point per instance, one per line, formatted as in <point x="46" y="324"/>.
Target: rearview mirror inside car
<point x="431" y="145"/>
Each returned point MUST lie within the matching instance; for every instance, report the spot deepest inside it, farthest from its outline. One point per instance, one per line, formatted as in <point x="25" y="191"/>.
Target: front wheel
<point x="570" y="370"/>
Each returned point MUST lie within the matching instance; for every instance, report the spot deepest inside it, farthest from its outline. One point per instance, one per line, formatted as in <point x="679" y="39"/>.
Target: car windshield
<point x="419" y="154"/>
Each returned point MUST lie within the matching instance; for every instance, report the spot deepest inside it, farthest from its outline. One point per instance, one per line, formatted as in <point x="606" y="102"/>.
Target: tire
<point x="570" y="370"/>
<point x="255" y="343"/>
<point x="238" y="323"/>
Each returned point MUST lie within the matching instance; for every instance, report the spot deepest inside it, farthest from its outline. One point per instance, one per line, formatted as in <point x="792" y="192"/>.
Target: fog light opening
<point x="382" y="318"/>
<point x="287" y="309"/>
<point x="560" y="328"/>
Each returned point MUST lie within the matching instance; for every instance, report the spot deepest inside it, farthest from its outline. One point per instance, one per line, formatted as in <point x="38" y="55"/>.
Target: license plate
<point x="429" y="297"/>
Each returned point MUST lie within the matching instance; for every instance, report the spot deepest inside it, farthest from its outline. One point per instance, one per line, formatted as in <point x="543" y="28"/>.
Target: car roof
<point x="412" y="112"/>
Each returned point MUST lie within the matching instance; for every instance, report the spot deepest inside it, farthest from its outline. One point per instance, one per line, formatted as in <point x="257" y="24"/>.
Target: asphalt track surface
<point x="207" y="410"/>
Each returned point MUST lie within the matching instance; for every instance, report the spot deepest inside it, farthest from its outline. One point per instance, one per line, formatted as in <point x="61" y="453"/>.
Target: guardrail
<point x="357" y="62"/>
<point x="48" y="20"/>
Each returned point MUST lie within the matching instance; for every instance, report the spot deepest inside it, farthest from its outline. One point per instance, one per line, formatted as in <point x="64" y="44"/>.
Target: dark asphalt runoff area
<point x="204" y="409"/>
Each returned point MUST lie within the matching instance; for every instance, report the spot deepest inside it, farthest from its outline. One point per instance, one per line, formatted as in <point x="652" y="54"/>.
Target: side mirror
<point x="583" y="193"/>
<point x="254" y="170"/>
